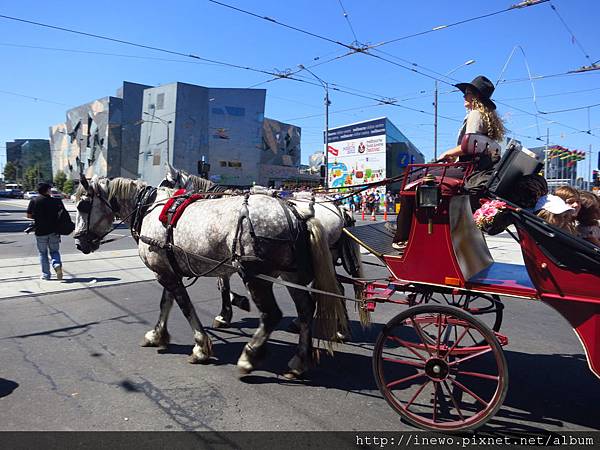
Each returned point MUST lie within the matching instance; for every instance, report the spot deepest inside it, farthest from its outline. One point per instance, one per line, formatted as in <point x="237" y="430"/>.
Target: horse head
<point x="95" y="214"/>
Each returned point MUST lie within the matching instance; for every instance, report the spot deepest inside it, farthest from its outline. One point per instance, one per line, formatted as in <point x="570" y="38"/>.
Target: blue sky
<point x="60" y="79"/>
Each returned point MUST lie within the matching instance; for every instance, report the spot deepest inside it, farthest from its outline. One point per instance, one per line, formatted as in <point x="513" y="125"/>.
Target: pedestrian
<point x="44" y="210"/>
<point x="481" y="120"/>
<point x="588" y="226"/>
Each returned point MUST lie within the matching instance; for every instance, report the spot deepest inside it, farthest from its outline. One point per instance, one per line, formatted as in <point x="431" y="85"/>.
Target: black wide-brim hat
<point x="482" y="87"/>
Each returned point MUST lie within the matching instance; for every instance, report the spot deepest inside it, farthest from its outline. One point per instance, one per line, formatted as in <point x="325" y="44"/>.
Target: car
<point x="30" y="194"/>
<point x="55" y="193"/>
<point x="12" y="193"/>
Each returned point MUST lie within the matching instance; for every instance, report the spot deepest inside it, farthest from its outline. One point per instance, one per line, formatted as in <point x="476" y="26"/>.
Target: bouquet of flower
<point x="484" y="216"/>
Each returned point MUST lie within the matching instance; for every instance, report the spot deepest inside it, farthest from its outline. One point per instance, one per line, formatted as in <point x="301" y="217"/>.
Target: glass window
<point x="160" y="101"/>
<point x="223" y="163"/>
<point x="218" y="111"/>
<point x="235" y="111"/>
<point x="156" y="159"/>
<point x="234" y="163"/>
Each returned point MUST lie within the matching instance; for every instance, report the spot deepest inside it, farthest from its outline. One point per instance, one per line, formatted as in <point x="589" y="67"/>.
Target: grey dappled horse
<point x="333" y="218"/>
<point x="252" y="235"/>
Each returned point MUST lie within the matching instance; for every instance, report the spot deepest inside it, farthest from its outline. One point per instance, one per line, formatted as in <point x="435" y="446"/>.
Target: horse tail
<point x="331" y="316"/>
<point x="352" y="262"/>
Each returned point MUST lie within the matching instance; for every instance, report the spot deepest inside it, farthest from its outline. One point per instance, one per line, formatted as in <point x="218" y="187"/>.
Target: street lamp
<point x="327" y="103"/>
<point x="167" y="123"/>
<point x="435" y="106"/>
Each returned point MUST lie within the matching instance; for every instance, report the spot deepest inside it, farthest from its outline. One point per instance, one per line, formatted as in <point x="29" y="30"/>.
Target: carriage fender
<point x="584" y="317"/>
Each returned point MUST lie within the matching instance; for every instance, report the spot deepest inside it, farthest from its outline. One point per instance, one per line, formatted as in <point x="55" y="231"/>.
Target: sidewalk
<point x="21" y="276"/>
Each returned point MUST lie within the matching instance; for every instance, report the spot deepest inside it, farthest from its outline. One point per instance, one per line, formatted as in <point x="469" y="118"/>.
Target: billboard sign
<point x="357" y="154"/>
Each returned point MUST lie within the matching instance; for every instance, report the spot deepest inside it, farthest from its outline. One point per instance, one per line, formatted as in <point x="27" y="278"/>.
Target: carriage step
<point x="376" y="238"/>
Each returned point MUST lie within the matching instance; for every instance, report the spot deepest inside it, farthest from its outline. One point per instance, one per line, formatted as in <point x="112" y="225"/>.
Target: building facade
<point x="30" y="153"/>
<point x="187" y="124"/>
<point x="368" y="152"/>
<point x="100" y="137"/>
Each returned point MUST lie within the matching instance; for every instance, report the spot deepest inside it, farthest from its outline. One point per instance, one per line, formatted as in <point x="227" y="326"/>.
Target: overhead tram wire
<point x="226" y="64"/>
<point x="364" y="49"/>
<point x="573" y="38"/>
<point x="135" y="44"/>
<point x="553" y="121"/>
<point x="348" y="20"/>
<point x="90" y="52"/>
<point x="450" y="25"/>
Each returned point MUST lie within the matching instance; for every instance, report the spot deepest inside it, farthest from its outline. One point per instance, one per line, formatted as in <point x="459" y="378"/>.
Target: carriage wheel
<point x="436" y="379"/>
<point x="487" y="308"/>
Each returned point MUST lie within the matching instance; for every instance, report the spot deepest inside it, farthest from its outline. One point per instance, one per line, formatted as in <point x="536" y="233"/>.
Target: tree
<point x="68" y="187"/>
<point x="30" y="178"/>
<point x="10" y="171"/>
<point x="59" y="180"/>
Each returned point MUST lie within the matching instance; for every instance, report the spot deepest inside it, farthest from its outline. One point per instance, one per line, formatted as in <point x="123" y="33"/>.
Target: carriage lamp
<point x="428" y="198"/>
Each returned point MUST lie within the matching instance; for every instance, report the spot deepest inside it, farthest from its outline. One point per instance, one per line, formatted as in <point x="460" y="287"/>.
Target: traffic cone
<point x="363" y="213"/>
<point x="373" y="218"/>
<point x="385" y="211"/>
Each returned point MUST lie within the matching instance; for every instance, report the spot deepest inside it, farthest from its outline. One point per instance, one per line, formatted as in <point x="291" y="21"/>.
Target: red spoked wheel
<point x="440" y="368"/>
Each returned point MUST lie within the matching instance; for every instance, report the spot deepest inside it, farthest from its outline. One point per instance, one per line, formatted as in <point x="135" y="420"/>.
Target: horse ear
<point x="83" y="181"/>
<point x="171" y="172"/>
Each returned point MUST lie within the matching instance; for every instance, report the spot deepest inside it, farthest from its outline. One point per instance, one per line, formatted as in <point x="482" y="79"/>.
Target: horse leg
<point x="305" y="305"/>
<point x="159" y="336"/>
<point x="203" y="349"/>
<point x="262" y="294"/>
<point x="223" y="320"/>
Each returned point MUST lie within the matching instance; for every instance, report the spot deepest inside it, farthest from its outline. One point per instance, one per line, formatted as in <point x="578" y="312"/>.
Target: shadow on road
<point x="89" y="279"/>
<point x="7" y="387"/>
<point x="548" y="390"/>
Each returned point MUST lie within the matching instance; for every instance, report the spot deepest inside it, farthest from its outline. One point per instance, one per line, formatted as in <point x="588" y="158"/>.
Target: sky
<point x="47" y="71"/>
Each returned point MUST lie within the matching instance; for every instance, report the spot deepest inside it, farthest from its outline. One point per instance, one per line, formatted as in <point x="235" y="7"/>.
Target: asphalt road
<point x="71" y="361"/>
<point x="16" y="243"/>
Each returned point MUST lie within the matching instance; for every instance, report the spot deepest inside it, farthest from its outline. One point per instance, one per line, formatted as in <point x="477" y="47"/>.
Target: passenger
<point x="570" y="196"/>
<point x="588" y="227"/>
<point x="556" y="212"/>
<point x="481" y="119"/>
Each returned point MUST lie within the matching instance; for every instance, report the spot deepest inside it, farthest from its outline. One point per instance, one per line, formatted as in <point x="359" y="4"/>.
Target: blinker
<point x="84" y="206"/>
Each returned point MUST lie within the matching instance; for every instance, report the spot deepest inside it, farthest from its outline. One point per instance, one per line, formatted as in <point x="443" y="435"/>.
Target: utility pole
<point x="327" y="102"/>
<point x="435" y="120"/>
<point x="435" y="105"/>
<point x="591" y="156"/>
<point x="546" y="165"/>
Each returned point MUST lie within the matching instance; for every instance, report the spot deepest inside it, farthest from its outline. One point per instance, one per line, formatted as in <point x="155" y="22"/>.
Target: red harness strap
<point x="164" y="214"/>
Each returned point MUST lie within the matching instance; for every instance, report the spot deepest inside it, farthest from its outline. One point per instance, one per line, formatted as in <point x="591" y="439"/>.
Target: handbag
<point x="64" y="224"/>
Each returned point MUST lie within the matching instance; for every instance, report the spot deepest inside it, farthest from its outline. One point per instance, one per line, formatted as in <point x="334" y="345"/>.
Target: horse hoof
<point x="198" y="356"/>
<point x="292" y="375"/>
<point x="152" y="339"/>
<point x="220" y="322"/>
<point x="244" y="366"/>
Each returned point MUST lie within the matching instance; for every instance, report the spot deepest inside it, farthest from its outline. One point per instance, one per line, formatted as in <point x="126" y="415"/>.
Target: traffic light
<point x="596" y="178"/>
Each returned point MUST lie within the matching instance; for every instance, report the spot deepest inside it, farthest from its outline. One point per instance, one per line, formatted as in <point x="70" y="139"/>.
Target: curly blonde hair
<point x="492" y="121"/>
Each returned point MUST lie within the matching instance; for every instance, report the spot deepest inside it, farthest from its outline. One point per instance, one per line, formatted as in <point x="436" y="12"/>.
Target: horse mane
<point x="199" y="184"/>
<point x="123" y="188"/>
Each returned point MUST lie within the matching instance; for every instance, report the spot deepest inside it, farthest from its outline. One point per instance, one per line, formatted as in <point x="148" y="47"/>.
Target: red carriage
<point x="440" y="363"/>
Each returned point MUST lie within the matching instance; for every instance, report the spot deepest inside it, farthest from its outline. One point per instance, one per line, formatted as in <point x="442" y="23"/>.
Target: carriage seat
<point x="564" y="249"/>
<point x="448" y="185"/>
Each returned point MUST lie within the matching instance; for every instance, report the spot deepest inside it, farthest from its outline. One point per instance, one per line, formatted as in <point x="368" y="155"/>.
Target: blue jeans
<point x="49" y="243"/>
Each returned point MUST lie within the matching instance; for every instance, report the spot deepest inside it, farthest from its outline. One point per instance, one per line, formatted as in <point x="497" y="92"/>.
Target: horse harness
<point x="174" y="209"/>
